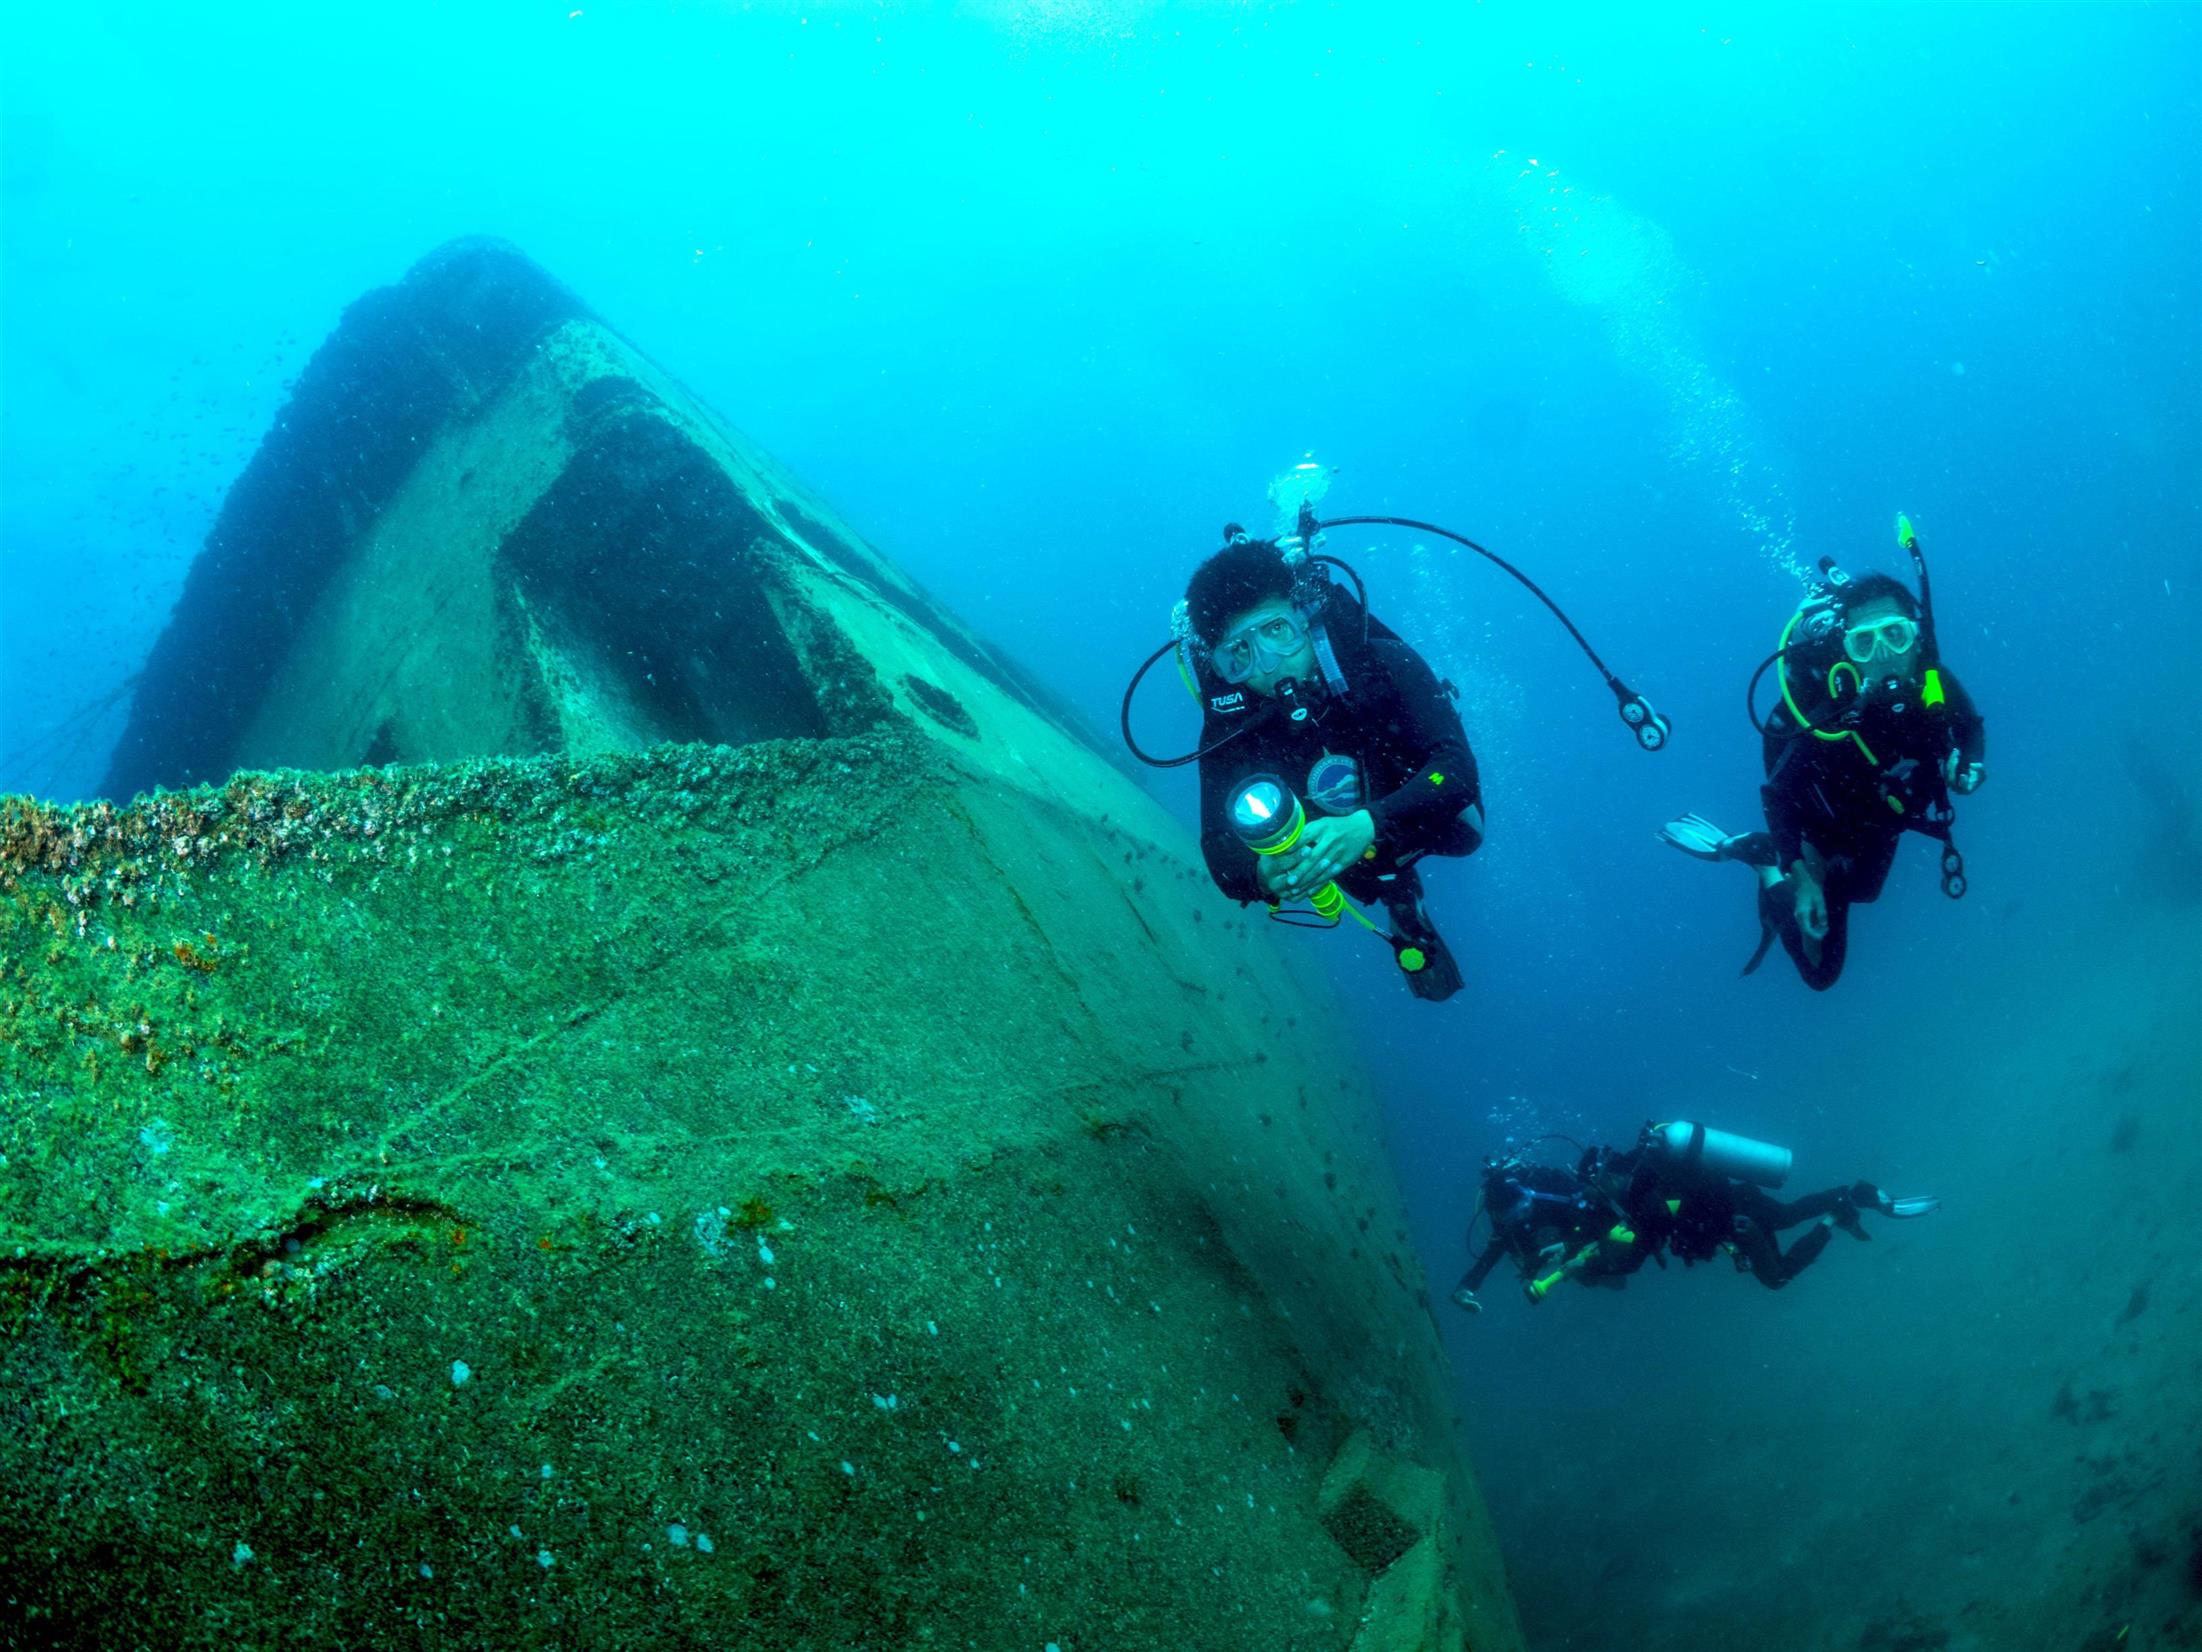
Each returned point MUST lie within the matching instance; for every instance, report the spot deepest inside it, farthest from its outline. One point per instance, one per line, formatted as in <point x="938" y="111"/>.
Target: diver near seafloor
<point x="1331" y="756"/>
<point x="1870" y="738"/>
<point x="1683" y="1190"/>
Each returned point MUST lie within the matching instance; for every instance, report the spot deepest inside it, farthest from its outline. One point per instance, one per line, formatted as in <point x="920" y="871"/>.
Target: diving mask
<point x="1883" y="639"/>
<point x="1262" y="644"/>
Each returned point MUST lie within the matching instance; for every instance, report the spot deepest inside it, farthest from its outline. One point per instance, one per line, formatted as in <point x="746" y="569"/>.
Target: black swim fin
<point x="1422" y="956"/>
<point x="1770" y="922"/>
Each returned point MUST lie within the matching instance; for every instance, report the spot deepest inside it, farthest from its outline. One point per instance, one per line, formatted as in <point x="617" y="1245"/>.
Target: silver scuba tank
<point x="1720" y="1152"/>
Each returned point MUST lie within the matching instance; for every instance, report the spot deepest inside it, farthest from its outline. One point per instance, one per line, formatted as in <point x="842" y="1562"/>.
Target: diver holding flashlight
<point x="1360" y="768"/>
<point x="1331" y="758"/>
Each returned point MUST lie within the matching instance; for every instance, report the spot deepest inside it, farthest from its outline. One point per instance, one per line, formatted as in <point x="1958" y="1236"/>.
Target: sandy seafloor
<point x="1981" y="1433"/>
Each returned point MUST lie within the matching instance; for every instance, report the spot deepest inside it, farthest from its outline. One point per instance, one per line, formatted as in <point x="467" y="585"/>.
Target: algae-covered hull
<point x="792" y="1156"/>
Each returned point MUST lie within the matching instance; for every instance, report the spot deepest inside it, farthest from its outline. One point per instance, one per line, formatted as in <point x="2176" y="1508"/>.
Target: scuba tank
<point x="1724" y="1154"/>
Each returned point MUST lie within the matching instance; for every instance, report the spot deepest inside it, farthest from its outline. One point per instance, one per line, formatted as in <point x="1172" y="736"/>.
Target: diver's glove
<point x="1963" y="778"/>
<point x="1465" y="1300"/>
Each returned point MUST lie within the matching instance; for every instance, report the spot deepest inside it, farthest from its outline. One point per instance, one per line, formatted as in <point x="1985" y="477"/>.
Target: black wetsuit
<point x="1397" y="723"/>
<point x="1632" y="1194"/>
<point x="1540" y="1214"/>
<point x="1828" y="794"/>
<point x="1710" y="1212"/>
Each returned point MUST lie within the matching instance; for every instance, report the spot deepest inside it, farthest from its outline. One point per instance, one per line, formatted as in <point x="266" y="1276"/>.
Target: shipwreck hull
<point x="652" y="1092"/>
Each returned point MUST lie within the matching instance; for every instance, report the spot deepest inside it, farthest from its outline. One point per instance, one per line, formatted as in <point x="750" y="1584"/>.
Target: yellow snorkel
<point x="1931" y="695"/>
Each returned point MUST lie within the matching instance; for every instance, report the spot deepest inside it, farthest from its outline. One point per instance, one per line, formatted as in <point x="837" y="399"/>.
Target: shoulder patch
<point x="1227" y="703"/>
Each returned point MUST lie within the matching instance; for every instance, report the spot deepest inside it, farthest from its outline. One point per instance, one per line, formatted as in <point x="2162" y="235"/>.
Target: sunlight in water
<point x="1624" y="269"/>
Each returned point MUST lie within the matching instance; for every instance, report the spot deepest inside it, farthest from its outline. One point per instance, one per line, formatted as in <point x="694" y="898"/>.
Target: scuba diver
<point x="1387" y="764"/>
<point x="1871" y="737"/>
<point x="1331" y="756"/>
<point x="1683" y="1190"/>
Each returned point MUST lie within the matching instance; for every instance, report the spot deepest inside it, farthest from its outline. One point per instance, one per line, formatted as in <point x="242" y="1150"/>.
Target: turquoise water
<point x="1661" y="303"/>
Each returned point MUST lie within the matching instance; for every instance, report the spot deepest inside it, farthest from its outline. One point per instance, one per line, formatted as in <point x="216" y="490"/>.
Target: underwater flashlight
<point x="1268" y="817"/>
<point x="1538" y="1288"/>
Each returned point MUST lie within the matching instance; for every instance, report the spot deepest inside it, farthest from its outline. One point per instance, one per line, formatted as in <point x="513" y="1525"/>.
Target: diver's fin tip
<point x="1696" y="837"/>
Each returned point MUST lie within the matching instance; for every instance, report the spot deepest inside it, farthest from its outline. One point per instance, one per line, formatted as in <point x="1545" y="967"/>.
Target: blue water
<point x="1663" y="303"/>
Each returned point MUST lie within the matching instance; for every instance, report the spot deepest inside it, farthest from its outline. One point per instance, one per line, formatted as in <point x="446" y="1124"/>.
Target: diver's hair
<point x="1865" y="588"/>
<point x="1232" y="581"/>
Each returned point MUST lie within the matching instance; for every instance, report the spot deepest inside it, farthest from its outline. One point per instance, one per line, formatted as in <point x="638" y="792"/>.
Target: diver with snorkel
<point x="1870" y="738"/>
<point x="1331" y="756"/>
